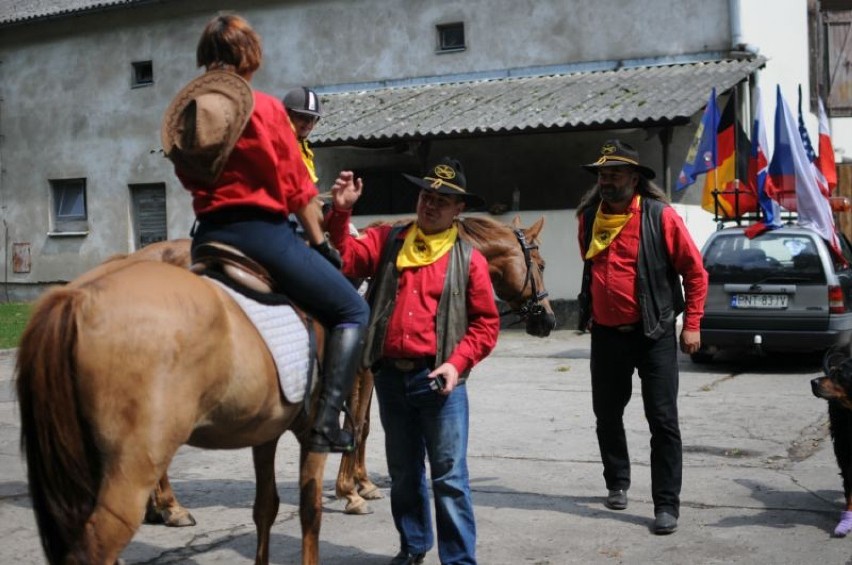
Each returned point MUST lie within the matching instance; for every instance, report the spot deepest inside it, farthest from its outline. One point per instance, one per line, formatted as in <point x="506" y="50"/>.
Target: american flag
<point x="822" y="183"/>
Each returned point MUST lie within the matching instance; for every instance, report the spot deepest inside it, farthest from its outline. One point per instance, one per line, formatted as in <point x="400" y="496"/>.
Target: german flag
<point x="732" y="147"/>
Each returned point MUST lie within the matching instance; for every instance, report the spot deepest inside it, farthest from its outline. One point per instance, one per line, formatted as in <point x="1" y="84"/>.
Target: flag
<point x="701" y="156"/>
<point x="825" y="161"/>
<point x="822" y="183"/>
<point x="791" y="180"/>
<point x="731" y="164"/>
<point x="758" y="167"/>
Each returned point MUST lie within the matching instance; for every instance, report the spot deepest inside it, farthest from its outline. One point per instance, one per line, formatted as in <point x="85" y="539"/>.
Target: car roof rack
<point x="787" y="217"/>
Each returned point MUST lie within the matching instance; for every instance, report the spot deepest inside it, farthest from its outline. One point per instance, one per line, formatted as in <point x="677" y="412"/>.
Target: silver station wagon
<point x="779" y="292"/>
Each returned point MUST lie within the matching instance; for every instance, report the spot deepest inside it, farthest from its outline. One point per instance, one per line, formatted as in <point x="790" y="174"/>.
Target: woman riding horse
<point x="234" y="149"/>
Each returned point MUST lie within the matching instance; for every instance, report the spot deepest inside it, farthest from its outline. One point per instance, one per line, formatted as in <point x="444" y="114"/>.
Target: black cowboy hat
<point x="616" y="153"/>
<point x="447" y="177"/>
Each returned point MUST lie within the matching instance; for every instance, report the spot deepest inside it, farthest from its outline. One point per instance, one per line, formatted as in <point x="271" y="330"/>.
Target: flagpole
<point x="736" y="154"/>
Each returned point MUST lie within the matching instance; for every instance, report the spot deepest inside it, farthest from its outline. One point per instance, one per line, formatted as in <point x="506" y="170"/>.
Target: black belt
<point x="232" y="214"/>
<point x="408" y="364"/>
<point x="625" y="329"/>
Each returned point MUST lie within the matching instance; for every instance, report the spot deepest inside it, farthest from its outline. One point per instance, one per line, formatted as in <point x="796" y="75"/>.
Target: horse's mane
<point x="480" y="230"/>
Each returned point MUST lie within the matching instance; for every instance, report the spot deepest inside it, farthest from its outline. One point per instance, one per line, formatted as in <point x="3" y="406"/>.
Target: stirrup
<point x="319" y="442"/>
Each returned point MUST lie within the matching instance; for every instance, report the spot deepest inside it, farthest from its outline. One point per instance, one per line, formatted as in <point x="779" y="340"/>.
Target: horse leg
<point x="352" y="464"/>
<point x="163" y="507"/>
<point x="311" y="469"/>
<point x="366" y="488"/>
<point x="266" y="497"/>
<point x="115" y="518"/>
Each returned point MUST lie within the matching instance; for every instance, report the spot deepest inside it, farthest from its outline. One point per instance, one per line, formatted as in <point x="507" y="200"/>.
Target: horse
<point x="513" y="247"/>
<point x="119" y="368"/>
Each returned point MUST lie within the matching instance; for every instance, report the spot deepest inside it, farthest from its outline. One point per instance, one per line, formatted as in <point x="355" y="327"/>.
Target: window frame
<point x="66" y="223"/>
<point x="137" y="70"/>
<point x="443" y="30"/>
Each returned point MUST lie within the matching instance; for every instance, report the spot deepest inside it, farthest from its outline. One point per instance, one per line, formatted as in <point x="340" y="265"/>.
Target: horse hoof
<point x="180" y="520"/>
<point x="371" y="492"/>
<point x="357" y="508"/>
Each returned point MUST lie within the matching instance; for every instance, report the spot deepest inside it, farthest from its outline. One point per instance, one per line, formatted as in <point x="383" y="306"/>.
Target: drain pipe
<point x="736" y="27"/>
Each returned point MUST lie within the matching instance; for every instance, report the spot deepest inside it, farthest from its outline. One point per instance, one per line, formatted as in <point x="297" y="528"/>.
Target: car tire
<point x="701" y="357"/>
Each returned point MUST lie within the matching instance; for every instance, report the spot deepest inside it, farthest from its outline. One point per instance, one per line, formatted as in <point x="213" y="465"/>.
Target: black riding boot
<point x="340" y="362"/>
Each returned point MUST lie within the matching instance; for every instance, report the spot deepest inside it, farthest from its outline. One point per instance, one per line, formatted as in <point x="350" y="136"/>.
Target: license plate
<point x="759" y="301"/>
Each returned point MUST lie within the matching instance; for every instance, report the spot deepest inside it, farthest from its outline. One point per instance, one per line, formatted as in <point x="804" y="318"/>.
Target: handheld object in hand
<point x="437" y="383"/>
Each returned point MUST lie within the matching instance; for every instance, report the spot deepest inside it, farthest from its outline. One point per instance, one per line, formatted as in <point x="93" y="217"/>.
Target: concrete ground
<point x="760" y="481"/>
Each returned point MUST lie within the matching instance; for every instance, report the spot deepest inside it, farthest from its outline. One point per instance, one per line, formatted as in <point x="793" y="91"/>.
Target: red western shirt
<point x="265" y="169"/>
<point x="411" y="328"/>
<point x="613" y="284"/>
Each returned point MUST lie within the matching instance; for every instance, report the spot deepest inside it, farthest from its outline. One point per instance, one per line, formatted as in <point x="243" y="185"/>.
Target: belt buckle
<point x="627" y="328"/>
<point x="403" y="364"/>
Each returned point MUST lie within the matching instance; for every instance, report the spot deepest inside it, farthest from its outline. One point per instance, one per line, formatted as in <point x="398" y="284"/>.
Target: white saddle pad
<point x="287" y="339"/>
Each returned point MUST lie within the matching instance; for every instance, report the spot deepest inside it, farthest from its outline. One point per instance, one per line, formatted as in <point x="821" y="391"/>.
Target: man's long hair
<point x="644" y="187"/>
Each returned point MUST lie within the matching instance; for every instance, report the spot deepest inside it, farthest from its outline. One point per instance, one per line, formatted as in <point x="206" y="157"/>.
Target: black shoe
<point x="664" y="524"/>
<point x="616" y="500"/>
<point x="404" y="558"/>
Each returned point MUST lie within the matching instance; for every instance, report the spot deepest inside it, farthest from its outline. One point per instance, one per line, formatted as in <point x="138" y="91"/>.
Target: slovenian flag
<point x="758" y="169"/>
<point x="791" y="179"/>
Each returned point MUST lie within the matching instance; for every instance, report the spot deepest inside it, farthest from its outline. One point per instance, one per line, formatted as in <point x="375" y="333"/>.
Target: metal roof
<point x="627" y="97"/>
<point x="17" y="11"/>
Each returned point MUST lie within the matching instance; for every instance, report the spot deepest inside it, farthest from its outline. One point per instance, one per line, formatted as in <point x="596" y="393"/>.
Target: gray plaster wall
<point x="67" y="109"/>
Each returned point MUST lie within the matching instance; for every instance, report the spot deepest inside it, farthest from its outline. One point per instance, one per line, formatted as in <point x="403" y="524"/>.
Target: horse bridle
<point x="531" y="306"/>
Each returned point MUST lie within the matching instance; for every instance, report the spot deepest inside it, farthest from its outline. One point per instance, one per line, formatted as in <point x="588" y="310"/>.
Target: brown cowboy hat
<point x="616" y="153"/>
<point x="203" y="123"/>
<point x="447" y="177"/>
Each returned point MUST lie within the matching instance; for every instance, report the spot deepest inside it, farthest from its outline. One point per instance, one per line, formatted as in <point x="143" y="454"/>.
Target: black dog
<point x="836" y="387"/>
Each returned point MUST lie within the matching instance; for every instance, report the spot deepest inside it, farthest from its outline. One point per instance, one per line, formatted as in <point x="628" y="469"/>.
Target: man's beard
<point x="612" y="194"/>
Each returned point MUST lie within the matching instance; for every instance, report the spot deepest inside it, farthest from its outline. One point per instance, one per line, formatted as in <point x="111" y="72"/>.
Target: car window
<point x="774" y="256"/>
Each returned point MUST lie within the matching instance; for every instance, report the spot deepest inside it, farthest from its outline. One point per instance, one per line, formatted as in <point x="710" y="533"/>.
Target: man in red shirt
<point x="635" y="248"/>
<point x="435" y="318"/>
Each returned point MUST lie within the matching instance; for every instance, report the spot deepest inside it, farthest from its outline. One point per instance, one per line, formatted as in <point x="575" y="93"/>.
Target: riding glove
<point x="331" y="254"/>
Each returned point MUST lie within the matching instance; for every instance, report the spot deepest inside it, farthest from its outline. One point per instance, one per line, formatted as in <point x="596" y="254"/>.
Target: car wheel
<point x="701" y="357"/>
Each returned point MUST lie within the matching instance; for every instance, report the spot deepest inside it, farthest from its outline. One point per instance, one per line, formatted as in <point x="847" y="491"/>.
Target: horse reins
<point x="531" y="306"/>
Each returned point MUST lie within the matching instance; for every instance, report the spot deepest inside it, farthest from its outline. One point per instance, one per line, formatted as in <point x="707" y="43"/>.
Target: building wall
<point x="67" y="109"/>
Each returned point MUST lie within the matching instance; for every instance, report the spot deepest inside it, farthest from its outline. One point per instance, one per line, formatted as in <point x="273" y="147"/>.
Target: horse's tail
<point x="63" y="466"/>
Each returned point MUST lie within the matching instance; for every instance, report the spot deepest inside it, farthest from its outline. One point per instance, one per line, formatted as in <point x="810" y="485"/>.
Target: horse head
<point x="516" y="268"/>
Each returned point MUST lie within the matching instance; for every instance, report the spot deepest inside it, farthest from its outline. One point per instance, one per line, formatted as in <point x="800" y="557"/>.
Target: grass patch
<point x="13" y="318"/>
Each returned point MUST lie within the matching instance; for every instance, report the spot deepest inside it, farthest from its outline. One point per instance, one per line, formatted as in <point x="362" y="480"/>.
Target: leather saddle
<point x="243" y="271"/>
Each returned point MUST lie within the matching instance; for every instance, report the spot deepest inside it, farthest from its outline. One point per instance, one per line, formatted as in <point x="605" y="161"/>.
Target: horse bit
<point x="532" y="306"/>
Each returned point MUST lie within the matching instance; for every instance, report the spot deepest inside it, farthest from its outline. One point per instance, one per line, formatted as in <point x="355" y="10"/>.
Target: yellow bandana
<point x="419" y="249"/>
<point x="308" y="160"/>
<point x="605" y="229"/>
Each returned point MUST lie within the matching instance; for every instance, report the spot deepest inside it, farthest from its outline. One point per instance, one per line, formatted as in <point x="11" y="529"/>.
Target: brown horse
<point x="118" y="369"/>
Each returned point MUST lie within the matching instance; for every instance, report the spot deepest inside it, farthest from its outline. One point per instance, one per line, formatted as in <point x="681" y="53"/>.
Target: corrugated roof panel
<point x="620" y="98"/>
<point x="15" y="11"/>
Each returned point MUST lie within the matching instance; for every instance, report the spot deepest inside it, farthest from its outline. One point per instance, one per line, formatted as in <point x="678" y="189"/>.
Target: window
<point x="830" y="39"/>
<point x="148" y="213"/>
<point x="143" y="74"/>
<point x="69" y="206"/>
<point x="451" y="37"/>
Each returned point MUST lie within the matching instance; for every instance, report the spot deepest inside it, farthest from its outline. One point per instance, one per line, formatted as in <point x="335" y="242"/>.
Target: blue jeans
<point x="303" y="274"/>
<point x="419" y="422"/>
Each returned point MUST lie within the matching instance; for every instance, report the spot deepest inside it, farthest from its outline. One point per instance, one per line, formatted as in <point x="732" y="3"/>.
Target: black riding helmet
<point x="303" y="100"/>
